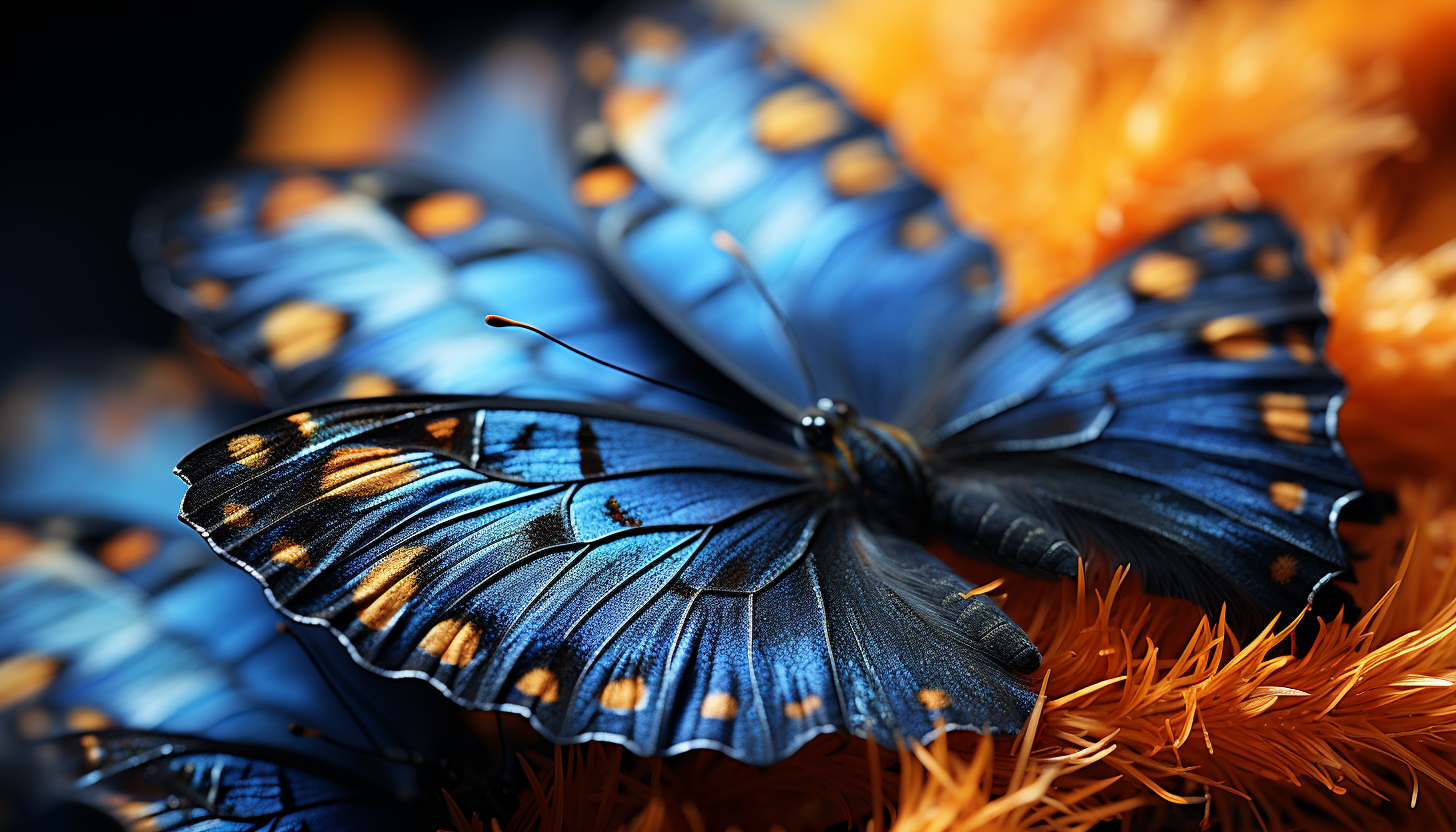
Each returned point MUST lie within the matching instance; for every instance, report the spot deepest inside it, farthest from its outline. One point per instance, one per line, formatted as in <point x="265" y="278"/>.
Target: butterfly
<point x="671" y="583"/>
<point x="116" y="622"/>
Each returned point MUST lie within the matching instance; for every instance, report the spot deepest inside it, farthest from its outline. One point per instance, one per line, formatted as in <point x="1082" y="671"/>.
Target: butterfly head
<point x="881" y="462"/>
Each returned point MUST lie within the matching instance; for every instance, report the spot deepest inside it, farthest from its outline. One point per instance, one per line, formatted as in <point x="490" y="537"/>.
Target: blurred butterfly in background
<point x="140" y="674"/>
<point x="671" y="583"/>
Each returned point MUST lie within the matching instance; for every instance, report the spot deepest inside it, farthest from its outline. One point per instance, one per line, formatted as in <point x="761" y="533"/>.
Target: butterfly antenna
<point x="338" y="695"/>
<point x="726" y="243"/>
<point x="502" y="322"/>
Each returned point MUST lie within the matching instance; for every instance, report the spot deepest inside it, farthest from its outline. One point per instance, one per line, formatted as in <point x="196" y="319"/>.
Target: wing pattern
<point x="160" y="782"/>
<point x="881" y="290"/>
<point x="359" y="283"/>
<point x="1176" y="411"/>
<point x="610" y="574"/>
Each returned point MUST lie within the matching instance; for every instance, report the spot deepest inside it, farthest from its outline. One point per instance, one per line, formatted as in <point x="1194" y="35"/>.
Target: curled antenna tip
<point x="725" y="241"/>
<point x="497" y="320"/>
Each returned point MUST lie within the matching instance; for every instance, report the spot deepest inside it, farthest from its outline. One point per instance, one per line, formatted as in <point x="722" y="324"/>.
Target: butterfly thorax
<point x="877" y="462"/>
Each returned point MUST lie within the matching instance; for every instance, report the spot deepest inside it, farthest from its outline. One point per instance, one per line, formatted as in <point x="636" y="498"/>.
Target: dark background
<point x="104" y="104"/>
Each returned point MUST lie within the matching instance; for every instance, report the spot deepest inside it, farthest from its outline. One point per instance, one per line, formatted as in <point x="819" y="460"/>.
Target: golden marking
<point x="236" y="514"/>
<point x="462" y="646"/>
<point x="921" y="232"/>
<point x="292" y="197"/>
<point x="1300" y="349"/>
<point x="365" y="472"/>
<point x="596" y="65"/>
<point x="387" y="587"/>
<point x="1163" y="275"/>
<point x="209" y="292"/>
<point x="719" y="706"/>
<point x="797" y="117"/>
<point x="932" y="699"/>
<point x="293" y="554"/>
<point x="1283" y="569"/>
<point x="540" y="683"/>
<point x="1236" y="337"/>
<point x="87" y="718"/>
<point x="1286" y="416"/>
<point x="1289" y="496"/>
<point x="624" y="694"/>
<point x="444" y="213"/>
<point x="305" y="422"/>
<point x="129" y="548"/>
<point x="1272" y="262"/>
<point x="25" y="675"/>
<point x="858" y="167"/>
<point x="1224" y="233"/>
<point x="625" y="108"/>
<point x="804" y="707"/>
<point x="438" y="639"/>
<point x="250" y="449"/>
<point x="367" y="386"/>
<point x="648" y="34"/>
<point x="978" y="279"/>
<point x="443" y="429"/>
<point x="603" y="186"/>
<point x="299" y="331"/>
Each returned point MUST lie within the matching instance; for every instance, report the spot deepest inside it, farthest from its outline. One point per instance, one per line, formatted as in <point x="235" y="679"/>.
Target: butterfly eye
<point x="814" y="431"/>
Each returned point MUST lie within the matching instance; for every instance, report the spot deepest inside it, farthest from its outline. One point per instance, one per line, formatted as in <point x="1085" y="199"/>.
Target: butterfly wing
<point x="702" y="130"/>
<point x="358" y="283"/>
<point x="1175" y="411"/>
<point x="161" y="782"/>
<point x="612" y="573"/>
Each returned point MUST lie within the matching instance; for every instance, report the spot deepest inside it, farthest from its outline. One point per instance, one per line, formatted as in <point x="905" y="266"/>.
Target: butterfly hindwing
<point x="713" y="131"/>
<point x="610" y="572"/>
<point x="160" y="782"/>
<point x="1174" y="411"/>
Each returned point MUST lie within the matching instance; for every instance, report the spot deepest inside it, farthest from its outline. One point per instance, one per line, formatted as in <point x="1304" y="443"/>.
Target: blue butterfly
<point x="669" y="583"/>
<point x="127" y="635"/>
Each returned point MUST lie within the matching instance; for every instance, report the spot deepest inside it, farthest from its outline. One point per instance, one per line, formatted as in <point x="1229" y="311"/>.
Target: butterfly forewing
<point x="719" y="134"/>
<point x="612" y="573"/>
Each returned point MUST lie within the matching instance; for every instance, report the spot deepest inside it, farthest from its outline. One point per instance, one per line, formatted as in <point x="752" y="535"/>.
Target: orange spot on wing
<point x="15" y="543"/>
<point x="444" y="213"/>
<point x="648" y="34"/>
<point x="624" y="108"/>
<point x="209" y="292"/>
<point x="87" y="718"/>
<point x="1289" y="496"/>
<point x="719" y="706"/>
<point x="236" y="514"/>
<point x="595" y="64"/>
<point x="250" y="449"/>
<point x="933" y="699"/>
<point x="367" y="386"/>
<point x="921" y="232"/>
<point x="443" y="429"/>
<point x="1283" y="568"/>
<point x="365" y="472"/>
<point x="624" y="694"/>
<point x="129" y="549"/>
<point x="540" y="683"/>
<point x="1300" y="349"/>
<point x="304" y="421"/>
<point x="293" y="554"/>
<point x="299" y="331"/>
<point x="1224" y="233"/>
<point x="291" y="197"/>
<point x="797" y="117"/>
<point x="1162" y="275"/>
<point x="804" y="707"/>
<point x="25" y="675"/>
<point x="387" y="587"/>
<point x="1237" y="337"/>
<point x="858" y="167"/>
<point x="1286" y="416"/>
<point x="1272" y="262"/>
<point x="603" y="185"/>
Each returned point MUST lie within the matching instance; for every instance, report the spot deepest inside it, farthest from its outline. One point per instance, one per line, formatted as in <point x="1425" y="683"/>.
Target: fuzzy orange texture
<point x="1068" y="132"/>
<point x="1145" y="708"/>
<point x="343" y="98"/>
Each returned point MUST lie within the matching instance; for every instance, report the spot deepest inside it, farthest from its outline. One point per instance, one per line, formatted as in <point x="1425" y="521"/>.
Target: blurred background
<point x="108" y="104"/>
